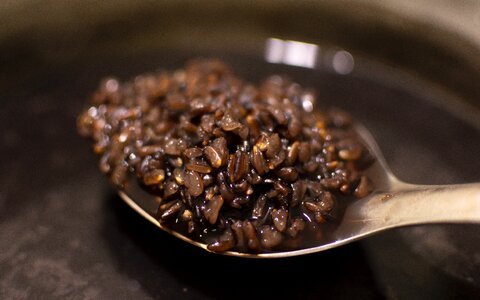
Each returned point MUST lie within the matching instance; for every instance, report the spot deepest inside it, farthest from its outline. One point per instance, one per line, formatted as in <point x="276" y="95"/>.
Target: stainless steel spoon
<point x="393" y="204"/>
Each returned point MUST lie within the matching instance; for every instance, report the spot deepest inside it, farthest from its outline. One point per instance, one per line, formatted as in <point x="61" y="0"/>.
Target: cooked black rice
<point x="242" y="167"/>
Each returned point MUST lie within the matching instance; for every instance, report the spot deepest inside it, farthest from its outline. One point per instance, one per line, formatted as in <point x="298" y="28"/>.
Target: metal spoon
<point x="393" y="204"/>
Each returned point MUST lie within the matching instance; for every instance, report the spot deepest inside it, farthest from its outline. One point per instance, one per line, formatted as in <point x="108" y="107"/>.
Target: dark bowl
<point x="414" y="83"/>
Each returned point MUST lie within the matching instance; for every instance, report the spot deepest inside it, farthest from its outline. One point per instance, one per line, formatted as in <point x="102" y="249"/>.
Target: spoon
<point x="392" y="204"/>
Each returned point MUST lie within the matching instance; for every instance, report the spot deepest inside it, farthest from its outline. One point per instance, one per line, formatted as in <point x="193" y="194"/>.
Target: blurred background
<point x="55" y="32"/>
<point x="409" y="70"/>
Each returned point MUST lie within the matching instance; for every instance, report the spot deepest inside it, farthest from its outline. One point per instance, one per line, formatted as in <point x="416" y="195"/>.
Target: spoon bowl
<point x="392" y="204"/>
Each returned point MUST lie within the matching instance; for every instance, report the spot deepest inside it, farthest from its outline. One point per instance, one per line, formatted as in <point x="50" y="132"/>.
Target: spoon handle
<point x="410" y="205"/>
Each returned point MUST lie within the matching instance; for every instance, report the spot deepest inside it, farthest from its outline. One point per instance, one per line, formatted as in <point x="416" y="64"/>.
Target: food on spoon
<point x="237" y="166"/>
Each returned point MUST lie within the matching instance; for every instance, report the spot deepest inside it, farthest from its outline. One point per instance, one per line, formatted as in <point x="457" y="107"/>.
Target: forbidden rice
<point x="238" y="166"/>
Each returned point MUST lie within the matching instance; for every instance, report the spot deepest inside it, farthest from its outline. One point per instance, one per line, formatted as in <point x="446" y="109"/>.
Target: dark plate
<point x="64" y="233"/>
